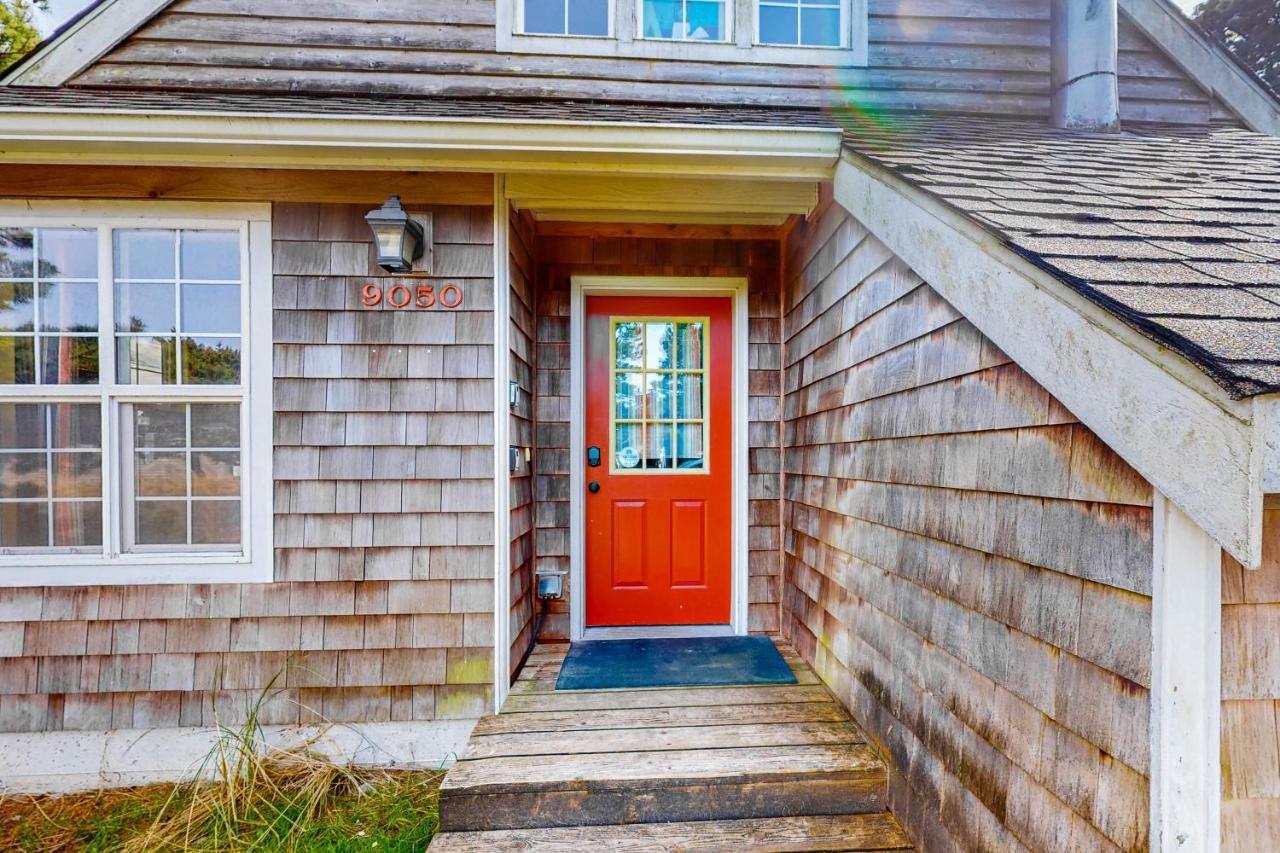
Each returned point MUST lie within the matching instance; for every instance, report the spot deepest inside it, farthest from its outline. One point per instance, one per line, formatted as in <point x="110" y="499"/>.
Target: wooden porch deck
<point x="696" y="768"/>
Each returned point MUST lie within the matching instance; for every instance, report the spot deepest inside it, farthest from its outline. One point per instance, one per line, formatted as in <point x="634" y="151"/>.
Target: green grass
<point x="386" y="811"/>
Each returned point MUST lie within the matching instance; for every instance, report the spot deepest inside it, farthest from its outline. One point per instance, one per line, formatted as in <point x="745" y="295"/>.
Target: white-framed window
<point x="135" y="393"/>
<point x="566" y="17"/>
<point x="824" y="33"/>
<point x="685" y="20"/>
<point x="803" y="23"/>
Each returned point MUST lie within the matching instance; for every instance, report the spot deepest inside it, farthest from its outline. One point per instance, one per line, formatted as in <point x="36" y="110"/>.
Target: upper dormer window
<point x="567" y="17"/>
<point x="821" y="33"/>
<point x="684" y="20"/>
<point x="810" y="23"/>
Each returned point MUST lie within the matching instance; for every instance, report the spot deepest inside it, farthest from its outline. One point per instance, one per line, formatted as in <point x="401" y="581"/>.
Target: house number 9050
<point x="402" y="296"/>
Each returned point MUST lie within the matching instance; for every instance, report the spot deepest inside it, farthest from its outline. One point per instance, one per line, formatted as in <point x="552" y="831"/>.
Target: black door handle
<point x="593" y="487"/>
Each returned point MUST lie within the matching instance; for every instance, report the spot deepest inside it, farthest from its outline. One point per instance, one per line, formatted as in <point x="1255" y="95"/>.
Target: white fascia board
<point x="1267" y="417"/>
<point x="1205" y="62"/>
<point x="1164" y="417"/>
<point x="363" y="142"/>
<point x="84" y="42"/>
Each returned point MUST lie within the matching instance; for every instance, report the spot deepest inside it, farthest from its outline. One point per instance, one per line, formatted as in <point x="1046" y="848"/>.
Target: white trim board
<point x="267" y="140"/>
<point x="1205" y="62"/>
<point x="84" y="42"/>
<point x="580" y="288"/>
<point x="1164" y="417"/>
<point x="1186" y="684"/>
<point x="501" y="442"/>
<point x="1267" y="415"/>
<point x="64" y="762"/>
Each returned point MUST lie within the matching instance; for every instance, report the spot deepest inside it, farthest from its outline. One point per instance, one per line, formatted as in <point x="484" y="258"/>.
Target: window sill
<point x="70" y="570"/>
<point x="680" y="49"/>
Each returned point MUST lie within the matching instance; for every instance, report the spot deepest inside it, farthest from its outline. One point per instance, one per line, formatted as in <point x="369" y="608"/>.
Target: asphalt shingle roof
<point x="393" y="106"/>
<point x="1174" y="229"/>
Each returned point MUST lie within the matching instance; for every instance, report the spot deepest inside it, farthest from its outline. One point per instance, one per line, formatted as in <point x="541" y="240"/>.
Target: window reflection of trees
<point x="657" y="365"/>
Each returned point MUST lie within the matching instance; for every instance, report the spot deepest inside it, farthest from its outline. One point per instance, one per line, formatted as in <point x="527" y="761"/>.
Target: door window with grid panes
<point x="124" y="404"/>
<point x="660" y="387"/>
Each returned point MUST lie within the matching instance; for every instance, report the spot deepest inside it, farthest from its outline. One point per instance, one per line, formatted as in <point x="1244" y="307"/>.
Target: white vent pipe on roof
<point x="1083" y="79"/>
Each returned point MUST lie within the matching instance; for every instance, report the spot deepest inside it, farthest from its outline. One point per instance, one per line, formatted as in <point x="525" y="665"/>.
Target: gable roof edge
<point x="1207" y="62"/>
<point x="82" y="41"/>
<point x="1180" y="431"/>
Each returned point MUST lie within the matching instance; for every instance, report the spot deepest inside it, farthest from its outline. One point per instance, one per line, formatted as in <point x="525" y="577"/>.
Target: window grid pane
<point x="48" y="318"/>
<point x="177" y="307"/>
<point x="50" y="476"/>
<point x="659" y="384"/>
<point x="187" y="484"/>
<point x="808" y="23"/>
<point x="684" y="20"/>
<point x="567" y="17"/>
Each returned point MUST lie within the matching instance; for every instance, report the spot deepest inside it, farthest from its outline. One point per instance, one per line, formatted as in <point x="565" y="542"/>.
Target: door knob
<point x="593" y="487"/>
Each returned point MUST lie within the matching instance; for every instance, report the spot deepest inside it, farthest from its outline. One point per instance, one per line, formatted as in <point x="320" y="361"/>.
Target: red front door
<point x="659" y="439"/>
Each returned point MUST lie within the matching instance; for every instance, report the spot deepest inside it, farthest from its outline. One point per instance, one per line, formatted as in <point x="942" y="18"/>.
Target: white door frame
<point x="580" y="287"/>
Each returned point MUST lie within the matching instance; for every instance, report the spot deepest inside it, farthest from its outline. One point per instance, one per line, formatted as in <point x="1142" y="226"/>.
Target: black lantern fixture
<point x="398" y="238"/>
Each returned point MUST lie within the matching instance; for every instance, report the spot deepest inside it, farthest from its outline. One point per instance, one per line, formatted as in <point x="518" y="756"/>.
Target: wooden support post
<point x="1186" y="689"/>
<point x="501" y="442"/>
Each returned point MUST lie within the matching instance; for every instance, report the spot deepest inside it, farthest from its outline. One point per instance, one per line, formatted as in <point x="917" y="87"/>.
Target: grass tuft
<point x="247" y="795"/>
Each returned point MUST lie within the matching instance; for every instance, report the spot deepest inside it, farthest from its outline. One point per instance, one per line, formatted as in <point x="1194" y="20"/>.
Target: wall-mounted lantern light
<point x="398" y="238"/>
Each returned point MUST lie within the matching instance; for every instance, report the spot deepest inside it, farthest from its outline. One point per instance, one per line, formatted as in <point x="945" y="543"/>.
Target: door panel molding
<point x="580" y="288"/>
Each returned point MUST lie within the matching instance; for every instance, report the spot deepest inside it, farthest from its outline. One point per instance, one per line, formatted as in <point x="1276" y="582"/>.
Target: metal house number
<point x="418" y="296"/>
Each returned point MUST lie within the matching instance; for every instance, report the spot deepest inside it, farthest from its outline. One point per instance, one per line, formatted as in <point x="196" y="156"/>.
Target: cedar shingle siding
<point x="944" y="55"/>
<point x="1251" y="696"/>
<point x="383" y="599"/>
<point x="967" y="566"/>
<point x="522" y="281"/>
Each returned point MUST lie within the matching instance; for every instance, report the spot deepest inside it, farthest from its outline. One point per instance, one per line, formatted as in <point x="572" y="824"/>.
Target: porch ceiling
<point x="624" y="199"/>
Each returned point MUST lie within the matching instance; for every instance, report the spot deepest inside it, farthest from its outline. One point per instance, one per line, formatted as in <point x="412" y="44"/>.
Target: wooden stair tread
<point x="644" y="718"/>
<point x="662" y="697"/>
<point x="661" y="739"/>
<point x="601" y="770"/>
<point x="779" y="834"/>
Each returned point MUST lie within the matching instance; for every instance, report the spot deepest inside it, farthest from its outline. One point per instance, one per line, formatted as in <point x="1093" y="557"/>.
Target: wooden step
<point x="526" y="791"/>
<point x="844" y="832"/>
<point x="645" y="718"/>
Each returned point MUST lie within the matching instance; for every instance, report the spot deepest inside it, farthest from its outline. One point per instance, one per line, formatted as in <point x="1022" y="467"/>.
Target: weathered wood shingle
<point x="1251" y="695"/>
<point x="967" y="566"/>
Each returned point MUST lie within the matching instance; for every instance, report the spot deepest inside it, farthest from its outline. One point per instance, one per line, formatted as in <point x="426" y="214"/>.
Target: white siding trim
<point x="68" y="761"/>
<point x="501" y="443"/>
<point x="1186" y="688"/>
<point x="202" y="138"/>
<point x="1267" y="416"/>
<point x="84" y="42"/>
<point x="737" y="288"/>
<point x="1163" y="416"/>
